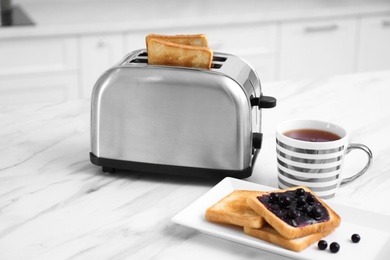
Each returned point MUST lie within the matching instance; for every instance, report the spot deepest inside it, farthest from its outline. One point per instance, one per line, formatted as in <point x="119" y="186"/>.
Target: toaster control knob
<point x="263" y="101"/>
<point x="257" y="139"/>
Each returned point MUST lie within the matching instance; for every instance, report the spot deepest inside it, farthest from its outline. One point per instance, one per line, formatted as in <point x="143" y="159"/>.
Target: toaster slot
<point x="219" y="58"/>
<point x="143" y="54"/>
<point x="142" y="58"/>
<point x="142" y="61"/>
<point x="217" y="62"/>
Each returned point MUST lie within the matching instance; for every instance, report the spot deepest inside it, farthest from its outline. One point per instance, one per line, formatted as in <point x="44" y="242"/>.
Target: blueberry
<point x="273" y="197"/>
<point x="310" y="198"/>
<point x="300" y="192"/>
<point x="315" y="213"/>
<point x="301" y="201"/>
<point x="334" y="247"/>
<point x="355" y="238"/>
<point x="292" y="214"/>
<point x="306" y="209"/>
<point x="322" y="244"/>
<point x="274" y="207"/>
<point x="284" y="201"/>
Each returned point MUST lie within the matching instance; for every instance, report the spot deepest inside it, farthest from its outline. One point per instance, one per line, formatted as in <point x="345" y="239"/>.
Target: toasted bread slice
<point x="269" y="234"/>
<point x="298" y="221"/>
<point x="233" y="209"/>
<point x="172" y="54"/>
<point x="199" y="40"/>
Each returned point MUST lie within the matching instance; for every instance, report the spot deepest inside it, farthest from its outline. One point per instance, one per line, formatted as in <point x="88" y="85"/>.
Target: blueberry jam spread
<point x="297" y="208"/>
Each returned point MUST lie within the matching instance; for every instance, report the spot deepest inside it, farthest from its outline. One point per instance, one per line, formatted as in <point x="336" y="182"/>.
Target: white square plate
<point x="374" y="229"/>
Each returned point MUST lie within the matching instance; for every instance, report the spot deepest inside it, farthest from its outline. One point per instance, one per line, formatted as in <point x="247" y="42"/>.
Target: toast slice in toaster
<point x="295" y="212"/>
<point x="161" y="52"/>
<point x="199" y="40"/>
<point x="269" y="234"/>
<point x="232" y="209"/>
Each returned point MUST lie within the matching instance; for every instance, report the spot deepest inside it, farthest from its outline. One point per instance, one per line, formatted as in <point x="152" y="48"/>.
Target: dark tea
<point x="312" y="135"/>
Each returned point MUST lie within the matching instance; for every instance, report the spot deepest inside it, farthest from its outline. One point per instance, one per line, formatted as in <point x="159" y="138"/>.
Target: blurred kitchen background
<point x="56" y="50"/>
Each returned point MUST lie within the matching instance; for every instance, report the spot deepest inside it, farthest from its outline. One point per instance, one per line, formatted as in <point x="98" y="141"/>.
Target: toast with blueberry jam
<point x="295" y="212"/>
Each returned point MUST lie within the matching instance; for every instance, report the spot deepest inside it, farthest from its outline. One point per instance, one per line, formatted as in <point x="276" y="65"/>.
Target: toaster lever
<point x="257" y="139"/>
<point x="263" y="101"/>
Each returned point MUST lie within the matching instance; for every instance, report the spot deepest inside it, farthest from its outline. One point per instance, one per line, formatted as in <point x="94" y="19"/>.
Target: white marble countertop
<point x="83" y="17"/>
<point x="54" y="204"/>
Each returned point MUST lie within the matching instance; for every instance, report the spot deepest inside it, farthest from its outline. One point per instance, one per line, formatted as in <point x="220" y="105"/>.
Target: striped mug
<point x="311" y="153"/>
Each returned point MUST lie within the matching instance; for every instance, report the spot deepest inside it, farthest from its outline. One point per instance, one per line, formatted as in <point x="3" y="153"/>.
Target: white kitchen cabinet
<point x="374" y="43"/>
<point x="48" y="87"/>
<point x="38" y="69"/>
<point x="256" y="43"/>
<point x="318" y="48"/>
<point x="99" y="52"/>
<point x="67" y="66"/>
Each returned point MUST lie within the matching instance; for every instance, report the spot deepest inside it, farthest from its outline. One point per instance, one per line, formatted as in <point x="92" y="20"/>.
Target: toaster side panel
<point x="172" y="117"/>
<point x="244" y="74"/>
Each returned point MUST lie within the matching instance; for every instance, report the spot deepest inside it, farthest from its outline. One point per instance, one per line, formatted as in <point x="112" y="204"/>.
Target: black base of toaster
<point x="110" y="165"/>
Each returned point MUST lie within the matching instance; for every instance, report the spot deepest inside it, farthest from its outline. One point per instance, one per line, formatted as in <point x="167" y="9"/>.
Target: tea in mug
<point x="312" y="135"/>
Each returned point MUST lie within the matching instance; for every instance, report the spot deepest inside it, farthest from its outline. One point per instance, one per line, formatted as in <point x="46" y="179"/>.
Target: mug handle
<point x="367" y="150"/>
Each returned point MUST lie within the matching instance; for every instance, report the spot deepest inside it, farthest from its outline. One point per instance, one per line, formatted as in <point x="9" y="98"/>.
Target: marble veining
<point x="54" y="204"/>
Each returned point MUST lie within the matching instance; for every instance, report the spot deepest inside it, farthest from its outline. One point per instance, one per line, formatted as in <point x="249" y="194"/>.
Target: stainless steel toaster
<point x="176" y="120"/>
